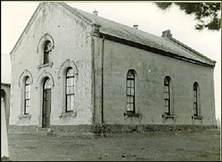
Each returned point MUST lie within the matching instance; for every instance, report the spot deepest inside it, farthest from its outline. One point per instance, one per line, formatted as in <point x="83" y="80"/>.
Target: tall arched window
<point x="47" y="50"/>
<point x="130" y="91"/>
<point x="70" y="90"/>
<point x="167" y="95"/>
<point x="195" y="99"/>
<point x="27" y="96"/>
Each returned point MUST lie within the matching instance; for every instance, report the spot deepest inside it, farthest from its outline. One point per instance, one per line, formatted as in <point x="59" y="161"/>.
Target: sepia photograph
<point x="110" y="81"/>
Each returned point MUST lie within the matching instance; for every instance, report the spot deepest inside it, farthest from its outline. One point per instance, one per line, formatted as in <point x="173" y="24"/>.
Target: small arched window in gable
<point x="27" y="96"/>
<point x="47" y="49"/>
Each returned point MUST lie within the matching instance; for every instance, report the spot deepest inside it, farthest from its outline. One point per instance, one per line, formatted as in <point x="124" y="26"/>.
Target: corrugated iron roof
<point x="121" y="31"/>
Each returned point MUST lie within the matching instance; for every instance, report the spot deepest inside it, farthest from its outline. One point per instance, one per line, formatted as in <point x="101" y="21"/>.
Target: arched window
<point x="47" y="49"/>
<point x="195" y="99"/>
<point x="69" y="90"/>
<point x="167" y="103"/>
<point x="130" y="91"/>
<point x="27" y="96"/>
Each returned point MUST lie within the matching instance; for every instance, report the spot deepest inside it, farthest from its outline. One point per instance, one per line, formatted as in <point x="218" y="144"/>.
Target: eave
<point x="154" y="50"/>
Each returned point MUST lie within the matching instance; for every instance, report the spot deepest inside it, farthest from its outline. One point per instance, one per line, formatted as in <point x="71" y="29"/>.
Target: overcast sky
<point x="15" y="16"/>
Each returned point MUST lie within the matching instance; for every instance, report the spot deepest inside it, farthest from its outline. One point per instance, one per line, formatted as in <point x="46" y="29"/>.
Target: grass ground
<point x="150" y="146"/>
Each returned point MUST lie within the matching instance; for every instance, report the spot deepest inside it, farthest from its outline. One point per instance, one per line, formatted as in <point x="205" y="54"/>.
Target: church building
<point x="76" y="71"/>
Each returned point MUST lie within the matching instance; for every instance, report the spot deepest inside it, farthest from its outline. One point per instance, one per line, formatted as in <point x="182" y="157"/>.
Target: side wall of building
<point x="150" y="71"/>
<point x="6" y="98"/>
<point x="72" y="48"/>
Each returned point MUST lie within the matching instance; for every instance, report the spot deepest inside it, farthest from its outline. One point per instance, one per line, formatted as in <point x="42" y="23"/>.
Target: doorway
<point x="46" y="110"/>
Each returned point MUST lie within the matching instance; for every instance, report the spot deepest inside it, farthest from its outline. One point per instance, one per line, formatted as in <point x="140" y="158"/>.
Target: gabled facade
<point x="74" y="70"/>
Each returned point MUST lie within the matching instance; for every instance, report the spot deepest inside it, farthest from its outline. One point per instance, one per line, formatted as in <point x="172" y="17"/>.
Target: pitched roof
<point x="162" y="45"/>
<point x="167" y="44"/>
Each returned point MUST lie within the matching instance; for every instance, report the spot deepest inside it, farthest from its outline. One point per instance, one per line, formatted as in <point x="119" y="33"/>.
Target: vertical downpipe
<point x="102" y="85"/>
<point x="93" y="78"/>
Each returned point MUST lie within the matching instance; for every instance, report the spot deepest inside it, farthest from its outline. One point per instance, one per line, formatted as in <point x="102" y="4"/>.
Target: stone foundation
<point x="97" y="129"/>
<point x="154" y="128"/>
<point x="5" y="158"/>
<point x="53" y="129"/>
<point x="21" y="129"/>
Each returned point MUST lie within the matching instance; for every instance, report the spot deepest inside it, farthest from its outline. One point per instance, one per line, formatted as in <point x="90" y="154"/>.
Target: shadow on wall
<point x="218" y="123"/>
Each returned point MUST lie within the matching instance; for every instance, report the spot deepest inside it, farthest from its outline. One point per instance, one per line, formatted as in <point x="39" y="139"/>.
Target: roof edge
<point x="6" y="84"/>
<point x="153" y="49"/>
<point x="66" y="6"/>
<point x="191" y="49"/>
<point x="167" y="35"/>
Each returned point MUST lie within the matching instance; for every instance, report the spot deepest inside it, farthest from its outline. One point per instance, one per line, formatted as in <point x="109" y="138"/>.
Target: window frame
<point x="27" y="85"/>
<point x="41" y="50"/>
<point x="130" y="80"/>
<point x="72" y="94"/>
<point x="47" y="48"/>
<point x="195" y="99"/>
<point x="167" y="96"/>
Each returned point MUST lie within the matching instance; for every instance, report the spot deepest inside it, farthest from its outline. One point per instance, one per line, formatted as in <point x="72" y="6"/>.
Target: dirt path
<point x="151" y="146"/>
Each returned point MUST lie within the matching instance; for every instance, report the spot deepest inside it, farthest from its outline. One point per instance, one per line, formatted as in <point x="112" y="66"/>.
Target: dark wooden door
<point x="46" y="108"/>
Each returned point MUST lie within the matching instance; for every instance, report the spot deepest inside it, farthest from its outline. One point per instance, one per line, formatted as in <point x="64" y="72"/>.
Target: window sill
<point x="132" y="114"/>
<point x="28" y="116"/>
<point x="167" y="116"/>
<point x="68" y="114"/>
<point x="45" y="65"/>
<point x="197" y="117"/>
